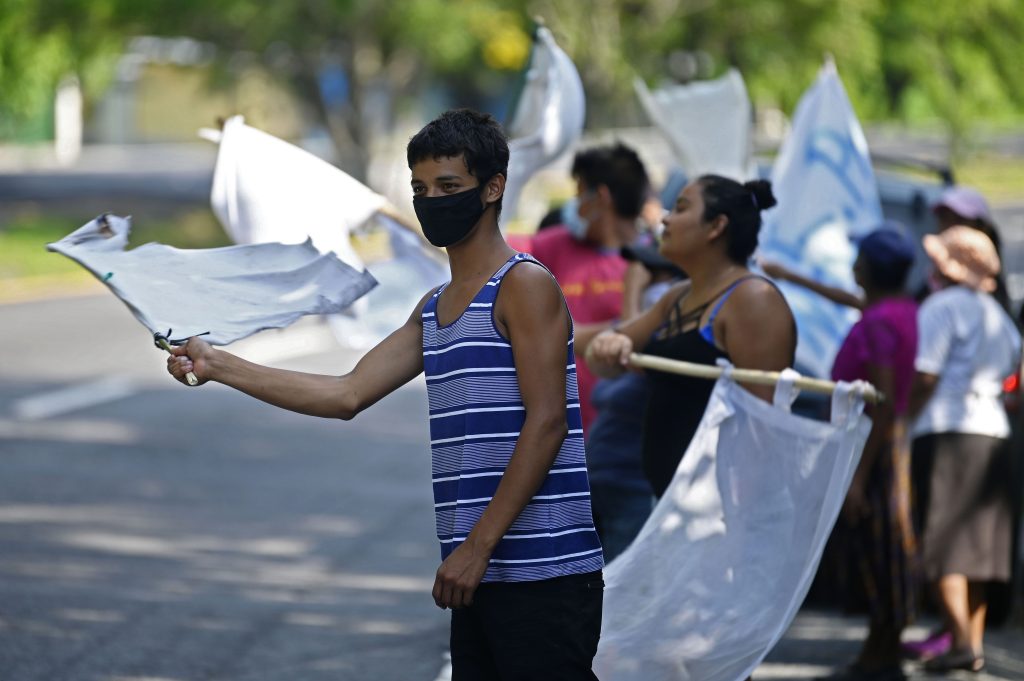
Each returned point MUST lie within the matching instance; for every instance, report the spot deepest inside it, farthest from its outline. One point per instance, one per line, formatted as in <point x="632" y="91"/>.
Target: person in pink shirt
<point x="584" y="254"/>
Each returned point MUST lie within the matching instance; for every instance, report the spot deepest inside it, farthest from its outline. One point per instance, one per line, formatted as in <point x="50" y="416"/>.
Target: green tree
<point x="916" y="61"/>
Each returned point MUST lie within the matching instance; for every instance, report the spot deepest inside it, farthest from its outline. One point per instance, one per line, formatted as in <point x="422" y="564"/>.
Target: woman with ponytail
<point x="722" y="311"/>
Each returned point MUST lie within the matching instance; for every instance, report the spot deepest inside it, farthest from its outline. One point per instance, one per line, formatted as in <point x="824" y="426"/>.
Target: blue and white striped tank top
<point x="476" y="414"/>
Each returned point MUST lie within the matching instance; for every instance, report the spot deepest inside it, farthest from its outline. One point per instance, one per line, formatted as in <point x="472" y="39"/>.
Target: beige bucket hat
<point x="966" y="256"/>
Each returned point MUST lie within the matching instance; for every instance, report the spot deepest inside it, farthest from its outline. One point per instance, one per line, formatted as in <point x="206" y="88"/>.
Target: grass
<point x="27" y="268"/>
<point x="1000" y="178"/>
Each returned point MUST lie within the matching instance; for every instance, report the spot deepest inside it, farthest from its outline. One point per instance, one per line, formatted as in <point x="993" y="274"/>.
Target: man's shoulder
<point x="530" y="276"/>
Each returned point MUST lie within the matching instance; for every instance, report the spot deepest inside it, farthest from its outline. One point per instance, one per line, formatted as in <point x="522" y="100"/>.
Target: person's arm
<point x="608" y="353"/>
<point x="531" y="309"/>
<point x="836" y="295"/>
<point x="755" y="328"/>
<point x="636" y="279"/>
<point x="921" y="390"/>
<point x="936" y="335"/>
<point x="585" y="333"/>
<point x="882" y="418"/>
<point x="392" y="363"/>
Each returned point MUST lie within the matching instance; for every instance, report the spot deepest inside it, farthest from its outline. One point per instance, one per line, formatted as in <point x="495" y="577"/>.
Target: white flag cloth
<point x="719" y="570"/>
<point x="548" y="118"/>
<point x="827" y="193"/>
<point x="230" y="292"/>
<point x="267" y="190"/>
<point x="707" y="123"/>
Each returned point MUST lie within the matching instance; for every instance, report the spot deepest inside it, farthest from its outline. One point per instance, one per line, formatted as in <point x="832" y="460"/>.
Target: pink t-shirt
<point x="886" y="335"/>
<point x="591" y="280"/>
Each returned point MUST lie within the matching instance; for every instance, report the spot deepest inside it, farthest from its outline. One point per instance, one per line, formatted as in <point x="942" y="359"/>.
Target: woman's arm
<point x="608" y="354"/>
<point x="756" y="329"/>
<point x="882" y="421"/>
<point x="836" y="295"/>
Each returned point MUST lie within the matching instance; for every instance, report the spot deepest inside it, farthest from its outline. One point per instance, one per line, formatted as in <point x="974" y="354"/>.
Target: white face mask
<point x="573" y="221"/>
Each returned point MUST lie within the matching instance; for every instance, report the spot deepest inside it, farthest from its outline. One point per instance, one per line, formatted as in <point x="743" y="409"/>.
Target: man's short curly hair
<point x="475" y="136"/>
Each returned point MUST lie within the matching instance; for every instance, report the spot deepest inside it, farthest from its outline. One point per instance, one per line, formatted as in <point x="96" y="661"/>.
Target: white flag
<point x="826" y="192"/>
<point x="266" y="190"/>
<point x="720" y="568"/>
<point x="227" y="293"/>
<point x="548" y="119"/>
<point x="707" y="123"/>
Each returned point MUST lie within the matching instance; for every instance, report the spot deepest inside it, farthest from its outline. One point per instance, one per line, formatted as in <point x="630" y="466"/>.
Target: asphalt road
<point x="152" y="532"/>
<point x="174" y="533"/>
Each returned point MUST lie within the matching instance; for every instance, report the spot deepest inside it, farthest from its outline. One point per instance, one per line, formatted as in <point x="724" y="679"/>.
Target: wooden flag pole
<point x="815" y="385"/>
<point x="162" y="342"/>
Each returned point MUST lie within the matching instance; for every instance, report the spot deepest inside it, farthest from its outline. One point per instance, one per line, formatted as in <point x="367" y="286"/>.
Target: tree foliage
<point x="916" y="61"/>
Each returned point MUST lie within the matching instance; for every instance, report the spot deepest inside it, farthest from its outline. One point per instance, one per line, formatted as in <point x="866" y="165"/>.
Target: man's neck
<point x="480" y="254"/>
<point x="608" y="235"/>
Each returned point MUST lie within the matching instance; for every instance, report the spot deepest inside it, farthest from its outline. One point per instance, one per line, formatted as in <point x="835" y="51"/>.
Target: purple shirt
<point x="886" y="335"/>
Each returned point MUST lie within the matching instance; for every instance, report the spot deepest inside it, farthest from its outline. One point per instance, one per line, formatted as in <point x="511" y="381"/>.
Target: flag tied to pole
<point x="548" y="118"/>
<point x="721" y="566"/>
<point x="827" y="194"/>
<point x="228" y="293"/>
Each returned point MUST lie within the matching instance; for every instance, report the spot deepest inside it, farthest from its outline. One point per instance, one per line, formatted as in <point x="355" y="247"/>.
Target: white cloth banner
<point x="266" y="190"/>
<point x="548" y="118"/>
<point x="707" y="123"/>
<point x="230" y="292"/>
<point x="719" y="570"/>
<point x="827" y="193"/>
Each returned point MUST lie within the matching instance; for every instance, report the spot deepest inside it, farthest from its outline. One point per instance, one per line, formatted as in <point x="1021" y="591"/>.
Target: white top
<point x="966" y="339"/>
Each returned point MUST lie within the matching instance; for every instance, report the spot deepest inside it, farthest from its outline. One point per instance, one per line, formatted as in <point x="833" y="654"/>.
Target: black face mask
<point x="447" y="220"/>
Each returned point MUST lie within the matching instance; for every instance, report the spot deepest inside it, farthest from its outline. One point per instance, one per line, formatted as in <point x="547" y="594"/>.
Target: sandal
<point x="964" y="660"/>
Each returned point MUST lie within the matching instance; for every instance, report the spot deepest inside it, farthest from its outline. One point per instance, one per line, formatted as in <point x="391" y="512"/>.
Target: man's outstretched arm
<point x="390" y="364"/>
<point x="531" y="308"/>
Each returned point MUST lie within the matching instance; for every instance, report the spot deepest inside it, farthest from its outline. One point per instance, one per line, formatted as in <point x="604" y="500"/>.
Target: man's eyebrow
<point x="446" y="178"/>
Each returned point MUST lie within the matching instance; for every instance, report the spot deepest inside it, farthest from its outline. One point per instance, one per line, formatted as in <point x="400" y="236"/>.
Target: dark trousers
<point x="529" y="631"/>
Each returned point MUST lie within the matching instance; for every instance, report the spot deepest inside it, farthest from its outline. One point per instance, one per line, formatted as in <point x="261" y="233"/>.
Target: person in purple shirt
<point x="876" y="530"/>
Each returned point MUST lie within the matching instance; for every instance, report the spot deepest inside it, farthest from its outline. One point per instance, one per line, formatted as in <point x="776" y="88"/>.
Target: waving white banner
<point x="719" y="570"/>
<point x="227" y="293"/>
<point x="826" y="193"/>
<point x="707" y="123"/>
<point x="548" y="119"/>
<point x="266" y="190"/>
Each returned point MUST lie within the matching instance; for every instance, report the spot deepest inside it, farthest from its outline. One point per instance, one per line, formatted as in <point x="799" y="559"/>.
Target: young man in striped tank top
<point x="521" y="561"/>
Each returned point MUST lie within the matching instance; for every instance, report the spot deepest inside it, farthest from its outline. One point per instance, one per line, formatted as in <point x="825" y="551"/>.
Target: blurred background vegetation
<point x="947" y="65"/>
<point x="351" y="79"/>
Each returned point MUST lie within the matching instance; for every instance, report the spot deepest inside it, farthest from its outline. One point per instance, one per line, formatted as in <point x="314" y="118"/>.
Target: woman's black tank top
<point x="676" y="403"/>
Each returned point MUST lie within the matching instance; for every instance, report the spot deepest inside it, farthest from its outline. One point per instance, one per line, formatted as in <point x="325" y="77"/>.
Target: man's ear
<point x="495" y="188"/>
<point x="604" y="195"/>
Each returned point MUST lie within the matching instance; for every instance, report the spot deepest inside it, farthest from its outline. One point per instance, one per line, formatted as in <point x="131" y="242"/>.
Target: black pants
<point x="529" y="631"/>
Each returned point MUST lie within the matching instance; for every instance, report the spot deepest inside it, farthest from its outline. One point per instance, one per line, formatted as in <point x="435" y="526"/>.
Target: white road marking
<point x="91" y="431"/>
<point x="267" y="348"/>
<point x="72" y="398"/>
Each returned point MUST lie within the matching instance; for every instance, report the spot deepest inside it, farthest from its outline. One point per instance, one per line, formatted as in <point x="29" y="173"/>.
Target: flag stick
<point x="162" y="342"/>
<point x="815" y="385"/>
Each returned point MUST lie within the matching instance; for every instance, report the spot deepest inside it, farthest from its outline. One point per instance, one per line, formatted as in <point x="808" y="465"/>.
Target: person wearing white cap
<point x="967" y="344"/>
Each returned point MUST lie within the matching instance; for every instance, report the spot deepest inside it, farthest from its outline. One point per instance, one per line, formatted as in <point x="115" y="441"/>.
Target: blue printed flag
<point x="827" y="195"/>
